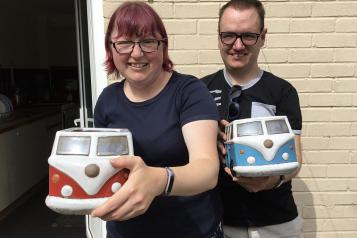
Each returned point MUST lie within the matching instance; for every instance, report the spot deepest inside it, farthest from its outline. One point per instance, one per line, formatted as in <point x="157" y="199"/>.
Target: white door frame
<point x="96" y="34"/>
<point x="95" y="228"/>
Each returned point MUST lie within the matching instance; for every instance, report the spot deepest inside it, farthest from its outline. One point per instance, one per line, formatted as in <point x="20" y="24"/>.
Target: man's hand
<point x="257" y="184"/>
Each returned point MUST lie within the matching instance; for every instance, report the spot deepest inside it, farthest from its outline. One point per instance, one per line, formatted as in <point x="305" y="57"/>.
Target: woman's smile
<point x="138" y="65"/>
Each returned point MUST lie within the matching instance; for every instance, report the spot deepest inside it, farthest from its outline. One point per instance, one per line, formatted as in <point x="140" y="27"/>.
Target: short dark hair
<point x="135" y="19"/>
<point x="244" y="4"/>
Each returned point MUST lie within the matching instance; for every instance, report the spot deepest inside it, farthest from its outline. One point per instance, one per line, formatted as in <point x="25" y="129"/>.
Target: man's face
<point x="239" y="56"/>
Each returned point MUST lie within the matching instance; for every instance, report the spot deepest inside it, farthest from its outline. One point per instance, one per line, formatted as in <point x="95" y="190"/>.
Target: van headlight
<point x="66" y="191"/>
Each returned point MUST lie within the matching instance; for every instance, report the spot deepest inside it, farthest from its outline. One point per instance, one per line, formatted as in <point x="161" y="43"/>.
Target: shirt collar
<point x="246" y="86"/>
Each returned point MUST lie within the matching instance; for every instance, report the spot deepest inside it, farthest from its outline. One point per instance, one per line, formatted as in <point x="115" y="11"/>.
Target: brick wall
<point x="312" y="44"/>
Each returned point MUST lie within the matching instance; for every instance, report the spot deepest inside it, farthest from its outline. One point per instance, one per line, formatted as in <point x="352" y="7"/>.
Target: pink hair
<point x="135" y="19"/>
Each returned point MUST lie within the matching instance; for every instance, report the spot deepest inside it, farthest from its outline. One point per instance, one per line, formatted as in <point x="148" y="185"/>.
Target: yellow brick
<point x="343" y="143"/>
<point x="315" y="143"/>
<point x="329" y="129"/>
<point x="316" y="85"/>
<point x="287" y="71"/>
<point x="186" y="69"/>
<point x="352" y="185"/>
<point x="345" y="85"/>
<point x="333" y="234"/>
<point x="333" y="70"/>
<point x="288" y="9"/>
<point x="334" y="40"/>
<point x="304" y="100"/>
<point x="273" y="56"/>
<point x="183" y="57"/>
<point x="209" y="57"/>
<point x="288" y="40"/>
<point x="332" y="225"/>
<point x="330" y="212"/>
<point x="342" y="171"/>
<point x="325" y="198"/>
<point x="344" y="114"/>
<point x="313" y="171"/>
<point x="165" y="10"/>
<point x="327" y="157"/>
<point x="174" y="27"/>
<point x="321" y="185"/>
<point x="311" y="55"/>
<point x="312" y="25"/>
<point x="195" y="42"/>
<point x="198" y="71"/>
<point x="331" y="99"/>
<point x="334" y="9"/>
<point x="277" y="25"/>
<point x="345" y="55"/>
<point x="354" y="129"/>
<point x="209" y="27"/>
<point x="109" y="8"/>
<point x="316" y="114"/>
<point x="203" y="10"/>
<point x="346" y="25"/>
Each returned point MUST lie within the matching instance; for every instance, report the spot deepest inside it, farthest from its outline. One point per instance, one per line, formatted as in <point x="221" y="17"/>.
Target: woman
<point x="173" y="121"/>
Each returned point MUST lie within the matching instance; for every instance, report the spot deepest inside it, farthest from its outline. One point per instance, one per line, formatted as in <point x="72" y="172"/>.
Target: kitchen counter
<point x="26" y="139"/>
<point x="29" y="114"/>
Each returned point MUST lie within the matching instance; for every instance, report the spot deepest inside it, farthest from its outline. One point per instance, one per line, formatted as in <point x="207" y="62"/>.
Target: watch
<point x="170" y="181"/>
<point x="280" y="181"/>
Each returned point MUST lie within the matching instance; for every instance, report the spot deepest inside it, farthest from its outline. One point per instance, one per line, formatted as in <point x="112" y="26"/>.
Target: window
<point x="250" y="129"/>
<point x="73" y="145"/>
<point x="112" y="145"/>
<point x="277" y="127"/>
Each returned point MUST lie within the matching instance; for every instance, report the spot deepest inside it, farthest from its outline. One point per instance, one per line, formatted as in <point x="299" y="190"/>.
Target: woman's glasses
<point x="233" y="106"/>
<point x="146" y="45"/>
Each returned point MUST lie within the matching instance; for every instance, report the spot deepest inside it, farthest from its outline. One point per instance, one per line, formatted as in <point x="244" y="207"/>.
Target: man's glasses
<point x="233" y="106"/>
<point x="146" y="45"/>
<point x="247" y="38"/>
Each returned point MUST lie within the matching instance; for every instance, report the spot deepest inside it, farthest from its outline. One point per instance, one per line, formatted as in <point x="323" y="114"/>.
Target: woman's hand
<point x="137" y="193"/>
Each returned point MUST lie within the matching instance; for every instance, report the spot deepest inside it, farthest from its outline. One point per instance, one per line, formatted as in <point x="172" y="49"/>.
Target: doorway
<point x="44" y="58"/>
<point x="44" y="67"/>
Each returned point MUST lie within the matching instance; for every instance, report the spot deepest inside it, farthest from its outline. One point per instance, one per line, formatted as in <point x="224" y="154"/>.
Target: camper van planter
<point x="80" y="174"/>
<point x="262" y="146"/>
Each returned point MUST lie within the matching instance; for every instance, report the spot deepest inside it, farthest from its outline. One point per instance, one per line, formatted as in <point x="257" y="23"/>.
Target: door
<point x="92" y="77"/>
<point x="85" y="90"/>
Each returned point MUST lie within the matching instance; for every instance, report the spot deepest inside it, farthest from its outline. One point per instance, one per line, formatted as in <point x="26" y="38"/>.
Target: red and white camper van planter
<point x="81" y="177"/>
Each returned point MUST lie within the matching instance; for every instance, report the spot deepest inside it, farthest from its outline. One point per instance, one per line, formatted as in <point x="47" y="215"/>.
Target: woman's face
<point x="136" y="65"/>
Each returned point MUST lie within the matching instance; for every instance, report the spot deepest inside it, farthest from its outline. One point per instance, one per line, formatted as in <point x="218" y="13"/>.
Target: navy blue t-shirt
<point x="156" y="128"/>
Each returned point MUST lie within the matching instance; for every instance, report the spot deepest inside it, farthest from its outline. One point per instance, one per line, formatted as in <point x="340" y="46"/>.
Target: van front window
<point x="277" y="127"/>
<point x="250" y="129"/>
<point x="73" y="145"/>
<point x="112" y="145"/>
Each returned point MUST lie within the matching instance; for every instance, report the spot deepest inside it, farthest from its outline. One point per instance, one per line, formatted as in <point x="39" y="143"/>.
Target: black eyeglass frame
<point x="240" y="36"/>
<point x="139" y="42"/>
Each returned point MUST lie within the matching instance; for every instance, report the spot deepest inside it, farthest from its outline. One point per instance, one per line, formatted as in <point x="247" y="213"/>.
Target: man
<point x="261" y="207"/>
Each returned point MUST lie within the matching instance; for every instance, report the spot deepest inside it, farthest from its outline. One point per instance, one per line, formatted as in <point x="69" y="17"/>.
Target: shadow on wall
<point x="305" y="202"/>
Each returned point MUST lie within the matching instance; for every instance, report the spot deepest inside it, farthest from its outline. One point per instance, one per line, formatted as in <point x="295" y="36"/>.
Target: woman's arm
<point x="145" y="182"/>
<point x="201" y="173"/>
